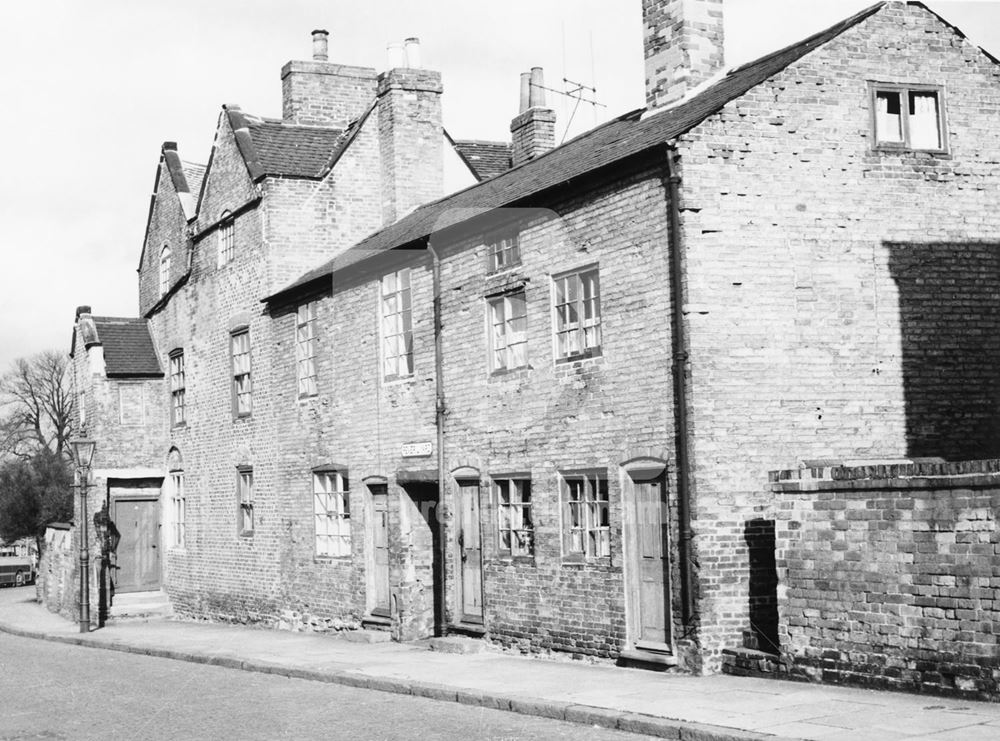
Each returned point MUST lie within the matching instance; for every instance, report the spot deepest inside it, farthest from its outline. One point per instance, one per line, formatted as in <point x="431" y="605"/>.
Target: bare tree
<point x="36" y="406"/>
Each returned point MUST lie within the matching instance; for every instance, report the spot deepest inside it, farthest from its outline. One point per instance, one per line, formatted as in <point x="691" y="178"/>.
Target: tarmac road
<point x="52" y="691"/>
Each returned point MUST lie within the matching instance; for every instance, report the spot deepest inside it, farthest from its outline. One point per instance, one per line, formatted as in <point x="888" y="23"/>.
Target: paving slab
<point x="664" y="705"/>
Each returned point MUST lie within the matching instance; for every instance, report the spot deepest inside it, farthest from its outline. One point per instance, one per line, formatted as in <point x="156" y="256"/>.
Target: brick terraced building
<point x="544" y="409"/>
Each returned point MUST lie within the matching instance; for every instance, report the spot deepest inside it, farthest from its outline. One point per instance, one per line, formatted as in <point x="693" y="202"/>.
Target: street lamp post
<point x="83" y="454"/>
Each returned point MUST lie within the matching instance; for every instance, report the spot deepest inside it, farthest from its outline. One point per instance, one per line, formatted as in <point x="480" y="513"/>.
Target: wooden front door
<point x="137" y="559"/>
<point x="380" y="549"/>
<point x="650" y="595"/>
<point x="470" y="559"/>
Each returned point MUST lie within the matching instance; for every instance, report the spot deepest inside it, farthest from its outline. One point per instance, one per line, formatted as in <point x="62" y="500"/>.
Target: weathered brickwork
<point x="839" y="305"/>
<point x="890" y="578"/>
<point x="807" y="253"/>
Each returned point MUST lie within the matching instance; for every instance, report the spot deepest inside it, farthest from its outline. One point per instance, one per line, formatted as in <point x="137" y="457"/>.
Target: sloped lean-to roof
<point x="610" y="143"/>
<point x="128" y="347"/>
<point x="270" y="147"/>
<point x="485" y="159"/>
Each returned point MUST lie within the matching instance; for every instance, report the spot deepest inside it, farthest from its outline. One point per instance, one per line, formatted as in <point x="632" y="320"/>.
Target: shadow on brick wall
<point x="949" y="310"/>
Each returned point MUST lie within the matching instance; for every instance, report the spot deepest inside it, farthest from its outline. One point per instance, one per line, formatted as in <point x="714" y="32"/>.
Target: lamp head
<point x="83" y="451"/>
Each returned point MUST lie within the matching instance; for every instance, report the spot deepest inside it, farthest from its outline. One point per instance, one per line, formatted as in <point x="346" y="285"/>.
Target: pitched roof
<point x="485" y="159"/>
<point x="610" y="143"/>
<point x="194" y="173"/>
<point x="273" y="147"/>
<point x="128" y="347"/>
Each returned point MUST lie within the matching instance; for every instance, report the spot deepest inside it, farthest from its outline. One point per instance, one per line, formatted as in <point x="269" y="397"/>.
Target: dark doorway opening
<point x="759" y="536"/>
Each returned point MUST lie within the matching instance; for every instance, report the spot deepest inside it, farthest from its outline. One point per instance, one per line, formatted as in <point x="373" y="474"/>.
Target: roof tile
<point x="128" y="347"/>
<point x="616" y="140"/>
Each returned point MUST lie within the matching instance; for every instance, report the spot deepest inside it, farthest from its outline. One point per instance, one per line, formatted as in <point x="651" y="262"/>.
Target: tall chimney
<point x="683" y="46"/>
<point x="321" y="93"/>
<point x="411" y="137"/>
<point x="533" y="129"/>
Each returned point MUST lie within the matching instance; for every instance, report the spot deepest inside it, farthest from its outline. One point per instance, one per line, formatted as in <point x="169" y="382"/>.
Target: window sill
<point x="179" y="425"/>
<point x="507" y="559"/>
<point x="239" y="417"/>
<point x="886" y="148"/>
<point x="587" y="355"/>
<point x="246" y="534"/>
<point x="510" y="372"/>
<point x="332" y="559"/>
<point x="584" y="561"/>
<point x="308" y="397"/>
<point x="397" y="380"/>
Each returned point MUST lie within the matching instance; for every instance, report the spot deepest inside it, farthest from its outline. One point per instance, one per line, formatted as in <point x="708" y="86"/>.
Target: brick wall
<point x="888" y="576"/>
<point x="808" y="255"/>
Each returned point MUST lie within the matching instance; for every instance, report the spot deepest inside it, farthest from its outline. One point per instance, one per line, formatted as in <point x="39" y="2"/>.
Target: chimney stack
<point x="682" y="40"/>
<point x="320" y="45"/>
<point x="533" y="130"/>
<point x="411" y="137"/>
<point x="321" y="93"/>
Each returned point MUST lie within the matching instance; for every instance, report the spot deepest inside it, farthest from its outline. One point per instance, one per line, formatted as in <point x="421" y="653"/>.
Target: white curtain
<point x="924" y="120"/>
<point x="888" y="126"/>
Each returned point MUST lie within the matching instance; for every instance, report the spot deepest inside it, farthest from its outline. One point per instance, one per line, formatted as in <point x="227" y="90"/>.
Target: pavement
<point x="664" y="705"/>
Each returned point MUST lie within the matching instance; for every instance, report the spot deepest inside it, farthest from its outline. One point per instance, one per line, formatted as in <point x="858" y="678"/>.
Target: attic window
<point x="164" y="269"/>
<point x="908" y="117"/>
<point x="227" y="239"/>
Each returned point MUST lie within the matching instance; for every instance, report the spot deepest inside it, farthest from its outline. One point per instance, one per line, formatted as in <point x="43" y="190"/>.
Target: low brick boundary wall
<point x="889" y="576"/>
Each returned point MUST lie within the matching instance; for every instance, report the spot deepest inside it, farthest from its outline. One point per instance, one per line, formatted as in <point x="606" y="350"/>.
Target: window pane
<point x="888" y="117"/>
<point x="924" y="121"/>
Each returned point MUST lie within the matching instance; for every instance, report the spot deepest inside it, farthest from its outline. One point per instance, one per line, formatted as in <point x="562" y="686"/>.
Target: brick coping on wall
<point x="904" y="475"/>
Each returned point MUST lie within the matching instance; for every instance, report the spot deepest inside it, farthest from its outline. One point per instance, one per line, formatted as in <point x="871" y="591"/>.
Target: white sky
<point x="90" y="89"/>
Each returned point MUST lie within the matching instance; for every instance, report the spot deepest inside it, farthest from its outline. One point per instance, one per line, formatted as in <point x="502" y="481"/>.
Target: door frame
<point x="645" y="471"/>
<point x="372" y="608"/>
<point x="144" y="491"/>
<point x="466" y="479"/>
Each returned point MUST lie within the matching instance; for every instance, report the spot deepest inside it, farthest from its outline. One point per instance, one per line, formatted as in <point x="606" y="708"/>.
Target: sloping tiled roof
<point x="194" y="173"/>
<point x="485" y="159"/>
<point x="297" y="151"/>
<point x="270" y="147"/>
<point x="614" y="141"/>
<point x="128" y="347"/>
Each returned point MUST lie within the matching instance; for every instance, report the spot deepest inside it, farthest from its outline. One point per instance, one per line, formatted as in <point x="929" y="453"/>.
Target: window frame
<point x="245" y="501"/>
<point x="178" y="510"/>
<point x="499" y="244"/>
<point x="178" y="389"/>
<point x="597" y="322"/>
<point x="338" y="494"/>
<point x="905" y="90"/>
<point x="236" y="374"/>
<point x="226" y="244"/>
<point x="405" y="312"/>
<point x="165" y="266"/>
<point x="523" y="507"/>
<point x="503" y="299"/>
<point x="306" y="350"/>
<point x="595" y="483"/>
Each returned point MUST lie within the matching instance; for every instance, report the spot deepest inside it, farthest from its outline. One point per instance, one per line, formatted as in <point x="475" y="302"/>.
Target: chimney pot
<point x="412" y="46"/>
<point x="395" y="55"/>
<point x="320" y="45"/>
<point x="525" y="92"/>
<point x="82" y="310"/>
<point x="536" y="98"/>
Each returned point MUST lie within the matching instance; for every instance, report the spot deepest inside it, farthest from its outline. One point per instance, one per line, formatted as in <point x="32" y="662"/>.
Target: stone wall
<point x="890" y="576"/>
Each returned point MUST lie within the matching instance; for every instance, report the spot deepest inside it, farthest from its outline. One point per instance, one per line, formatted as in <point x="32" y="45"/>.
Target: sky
<point x="90" y="89"/>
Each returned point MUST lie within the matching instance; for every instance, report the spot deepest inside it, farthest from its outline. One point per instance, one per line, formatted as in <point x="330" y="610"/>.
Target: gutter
<point x="680" y="354"/>
<point x="439" y="412"/>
